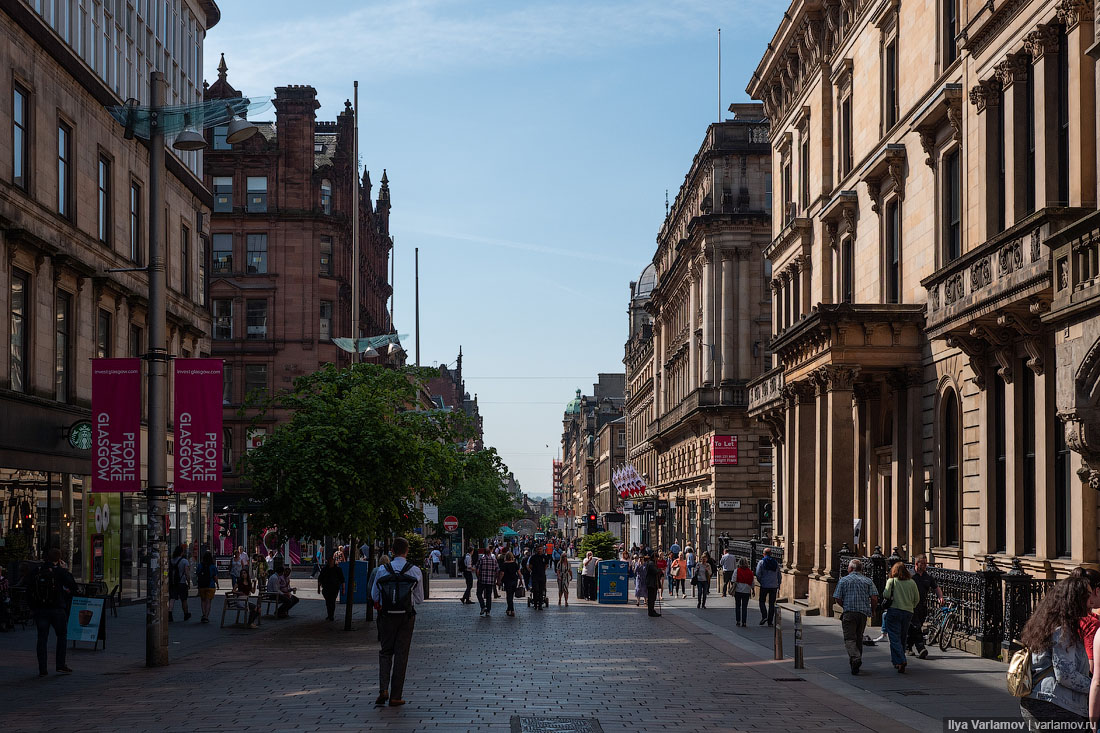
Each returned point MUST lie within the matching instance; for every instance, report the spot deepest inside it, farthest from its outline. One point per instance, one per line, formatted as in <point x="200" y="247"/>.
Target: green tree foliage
<point x="478" y="499"/>
<point x="418" y="549"/>
<point x="602" y="545"/>
<point x="354" y="453"/>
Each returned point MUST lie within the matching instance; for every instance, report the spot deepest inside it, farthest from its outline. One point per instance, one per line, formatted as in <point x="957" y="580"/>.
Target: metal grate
<point x="555" y="725"/>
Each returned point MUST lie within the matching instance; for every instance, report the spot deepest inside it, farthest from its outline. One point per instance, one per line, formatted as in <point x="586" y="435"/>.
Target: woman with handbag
<point x="679" y="576"/>
<point x="701" y="580"/>
<point x="900" y="598"/>
<point x="565" y="576"/>
<point x="742" y="590"/>
<point x="508" y="576"/>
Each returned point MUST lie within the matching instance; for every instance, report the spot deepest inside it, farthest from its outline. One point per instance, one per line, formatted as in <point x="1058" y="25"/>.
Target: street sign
<point x="628" y="505"/>
<point x="727" y="504"/>
<point x="431" y="513"/>
<point x="450" y="523"/>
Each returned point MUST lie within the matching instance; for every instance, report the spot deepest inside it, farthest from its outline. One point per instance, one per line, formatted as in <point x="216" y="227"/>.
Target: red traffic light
<point x="591" y="517"/>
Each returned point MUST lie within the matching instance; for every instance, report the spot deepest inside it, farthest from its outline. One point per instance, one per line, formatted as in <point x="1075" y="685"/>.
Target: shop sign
<point x="86" y="620"/>
<point x="116" y="424"/>
<point x="723" y="450"/>
<point x="198" y="425"/>
<point x="80" y="435"/>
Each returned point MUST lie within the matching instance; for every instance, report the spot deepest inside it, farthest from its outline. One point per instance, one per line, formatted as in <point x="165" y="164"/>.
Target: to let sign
<point x="116" y="424"/>
<point x="197" y="464"/>
<point x="723" y="450"/>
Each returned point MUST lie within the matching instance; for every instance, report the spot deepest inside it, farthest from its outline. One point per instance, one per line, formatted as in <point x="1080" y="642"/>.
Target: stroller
<point x="531" y="597"/>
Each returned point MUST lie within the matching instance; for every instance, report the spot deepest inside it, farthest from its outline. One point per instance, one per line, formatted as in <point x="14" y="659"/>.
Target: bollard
<point x="798" y="664"/>
<point x="778" y="633"/>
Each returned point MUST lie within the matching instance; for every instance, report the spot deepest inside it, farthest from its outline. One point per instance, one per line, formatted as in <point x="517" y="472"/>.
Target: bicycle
<point x="941" y="626"/>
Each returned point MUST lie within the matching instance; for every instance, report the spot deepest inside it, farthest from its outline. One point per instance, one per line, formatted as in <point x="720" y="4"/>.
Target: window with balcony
<point x="1029" y="142"/>
<point x="222" y="312"/>
<point x="326" y="256"/>
<point x="222" y="254"/>
<point x="256" y="311"/>
<point x="223" y="194"/>
<point x="256" y="254"/>
<point x="326" y="320"/>
<point x="19" y="354"/>
<point x="257" y="194"/>
<point x="893" y="251"/>
<point x="847" y="270"/>
<point x="20" y="137"/>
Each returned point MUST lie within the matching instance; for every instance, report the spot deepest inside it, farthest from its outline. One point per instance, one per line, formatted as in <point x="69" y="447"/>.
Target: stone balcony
<point x="766" y="391"/>
<point x="733" y="395"/>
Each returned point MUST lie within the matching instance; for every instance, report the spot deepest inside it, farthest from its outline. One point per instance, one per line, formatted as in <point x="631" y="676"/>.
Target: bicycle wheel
<point x="932" y="630"/>
<point x="948" y="632"/>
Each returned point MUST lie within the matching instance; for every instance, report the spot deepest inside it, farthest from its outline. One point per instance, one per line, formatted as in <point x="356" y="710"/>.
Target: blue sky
<point x="529" y="146"/>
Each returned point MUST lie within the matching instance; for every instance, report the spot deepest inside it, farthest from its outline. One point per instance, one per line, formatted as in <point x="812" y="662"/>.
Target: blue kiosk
<point x="611" y="577"/>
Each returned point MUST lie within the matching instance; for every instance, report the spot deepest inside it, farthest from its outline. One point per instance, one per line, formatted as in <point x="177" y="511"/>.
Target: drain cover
<point x="555" y="725"/>
<point x="788" y="679"/>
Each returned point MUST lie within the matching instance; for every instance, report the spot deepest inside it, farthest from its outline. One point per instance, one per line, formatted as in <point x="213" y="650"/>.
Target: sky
<point x="529" y="145"/>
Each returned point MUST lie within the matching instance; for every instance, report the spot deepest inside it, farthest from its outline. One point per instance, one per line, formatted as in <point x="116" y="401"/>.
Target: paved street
<point x="612" y="663"/>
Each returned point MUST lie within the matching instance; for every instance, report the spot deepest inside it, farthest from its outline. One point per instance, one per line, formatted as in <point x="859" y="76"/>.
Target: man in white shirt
<point x="436" y="557"/>
<point x="395" y="628"/>
<point x="728" y="563"/>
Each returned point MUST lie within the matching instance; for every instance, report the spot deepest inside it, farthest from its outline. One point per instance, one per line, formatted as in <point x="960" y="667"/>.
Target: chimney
<point x="295" y="118"/>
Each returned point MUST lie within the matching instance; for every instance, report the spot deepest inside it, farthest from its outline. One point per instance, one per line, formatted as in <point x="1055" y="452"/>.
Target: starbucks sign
<point x="80" y="435"/>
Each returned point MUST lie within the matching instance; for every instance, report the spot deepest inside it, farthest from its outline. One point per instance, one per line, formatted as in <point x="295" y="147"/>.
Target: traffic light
<point x="591" y="520"/>
<point x="764" y="512"/>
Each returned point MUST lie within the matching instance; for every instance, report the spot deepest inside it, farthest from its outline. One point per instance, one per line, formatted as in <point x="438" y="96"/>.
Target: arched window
<point x="952" y="475"/>
<point x="326" y="196"/>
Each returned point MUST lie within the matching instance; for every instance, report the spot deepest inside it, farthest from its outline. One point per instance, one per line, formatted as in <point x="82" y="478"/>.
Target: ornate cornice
<point x="1013" y="70"/>
<point x="1072" y="12"/>
<point x="986" y="93"/>
<point x="1043" y="40"/>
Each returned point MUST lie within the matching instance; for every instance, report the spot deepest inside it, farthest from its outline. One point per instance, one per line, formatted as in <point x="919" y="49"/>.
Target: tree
<point x="602" y="545"/>
<point x="478" y="499"/>
<point x="354" y="454"/>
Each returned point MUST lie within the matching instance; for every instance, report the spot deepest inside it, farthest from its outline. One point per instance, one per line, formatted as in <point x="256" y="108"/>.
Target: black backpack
<point x="395" y="590"/>
<point x="44" y="591"/>
<point x="173" y="574"/>
<point x="204" y="575"/>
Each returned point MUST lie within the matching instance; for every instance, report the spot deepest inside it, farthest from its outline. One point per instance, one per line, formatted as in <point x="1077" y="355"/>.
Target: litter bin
<point x="612" y="581"/>
<point x="362" y="575"/>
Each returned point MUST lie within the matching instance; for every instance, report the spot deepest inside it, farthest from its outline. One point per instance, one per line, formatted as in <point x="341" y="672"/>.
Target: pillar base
<point x="821" y="589"/>
<point x="794" y="584"/>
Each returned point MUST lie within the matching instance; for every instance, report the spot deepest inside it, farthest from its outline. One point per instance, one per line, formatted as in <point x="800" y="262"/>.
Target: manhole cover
<point x="555" y="725"/>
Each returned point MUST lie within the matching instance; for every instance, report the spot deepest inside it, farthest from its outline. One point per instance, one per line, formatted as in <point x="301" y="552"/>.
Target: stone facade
<point x="73" y="206"/>
<point x="710" y="314"/>
<point x="922" y="378"/>
<point x="448" y="390"/>
<point x="281" y="252"/>
<point x="584" y="417"/>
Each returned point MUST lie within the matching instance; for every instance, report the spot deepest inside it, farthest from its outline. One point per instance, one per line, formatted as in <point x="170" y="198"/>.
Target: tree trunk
<point x="350" y="594"/>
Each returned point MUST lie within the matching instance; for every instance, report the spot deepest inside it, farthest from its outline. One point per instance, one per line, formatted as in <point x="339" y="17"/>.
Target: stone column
<point x="744" y="315"/>
<point x="729" y="338"/>
<point x="1043" y="44"/>
<point x="708" y="317"/>
<point x="1015" y="512"/>
<point x="693" y="350"/>
<point x="658" y="369"/>
<point x="914" y="461"/>
<point x="861" y="451"/>
<point x="801" y="449"/>
<point x="1077" y="15"/>
<point x="841" y="484"/>
<point x="804" y="283"/>
<point x="1013" y="73"/>
<point x="986" y="97"/>
<point x="821" y="488"/>
<point x="1046" y="411"/>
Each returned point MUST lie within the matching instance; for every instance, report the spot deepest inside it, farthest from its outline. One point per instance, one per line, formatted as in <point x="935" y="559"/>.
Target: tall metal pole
<point x="355" y="226"/>
<point x="156" y="605"/>
<point x="393" y="274"/>
<point x="417" y="268"/>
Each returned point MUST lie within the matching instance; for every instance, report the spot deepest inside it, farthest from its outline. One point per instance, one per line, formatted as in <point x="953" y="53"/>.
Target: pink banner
<point x="116" y="424"/>
<point x="198" y="425"/>
<point x="723" y="450"/>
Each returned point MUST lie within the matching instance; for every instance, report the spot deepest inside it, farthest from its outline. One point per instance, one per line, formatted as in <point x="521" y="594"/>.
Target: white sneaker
<point x="879" y="638"/>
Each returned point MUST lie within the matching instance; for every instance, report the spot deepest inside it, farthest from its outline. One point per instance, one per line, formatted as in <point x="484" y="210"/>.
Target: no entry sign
<point x="450" y="523"/>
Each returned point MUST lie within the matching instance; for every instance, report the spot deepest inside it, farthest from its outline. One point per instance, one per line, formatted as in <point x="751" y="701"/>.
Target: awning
<point x="508" y="532"/>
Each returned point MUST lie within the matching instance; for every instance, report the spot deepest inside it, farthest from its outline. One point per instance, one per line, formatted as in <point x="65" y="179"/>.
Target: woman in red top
<point x="742" y="590"/>
<point x="662" y="566"/>
<point x="1090" y="623"/>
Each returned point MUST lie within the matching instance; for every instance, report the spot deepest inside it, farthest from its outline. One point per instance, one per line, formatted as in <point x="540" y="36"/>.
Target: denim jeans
<point x="741" y="608"/>
<point x="897" y="627"/>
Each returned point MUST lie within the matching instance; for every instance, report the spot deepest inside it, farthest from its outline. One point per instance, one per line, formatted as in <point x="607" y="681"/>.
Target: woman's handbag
<point x="520" y="591"/>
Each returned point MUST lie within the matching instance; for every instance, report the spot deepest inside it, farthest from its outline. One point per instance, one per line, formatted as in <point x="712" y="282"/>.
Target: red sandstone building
<point x="281" y="252"/>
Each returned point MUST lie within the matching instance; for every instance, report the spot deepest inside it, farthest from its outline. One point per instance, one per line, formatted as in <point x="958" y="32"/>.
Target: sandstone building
<point x="688" y="367"/>
<point x="585" y="416"/>
<point x="934" y="323"/>
<point x="281" y="253"/>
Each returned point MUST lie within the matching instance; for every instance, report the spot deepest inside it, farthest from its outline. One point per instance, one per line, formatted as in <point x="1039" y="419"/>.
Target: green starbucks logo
<point x="80" y="435"/>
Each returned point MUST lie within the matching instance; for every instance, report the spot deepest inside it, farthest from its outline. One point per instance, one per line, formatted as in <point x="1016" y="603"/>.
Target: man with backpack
<point x="49" y="592"/>
<point x="769" y="577"/>
<point x="398" y="588"/>
<point x="179" y="581"/>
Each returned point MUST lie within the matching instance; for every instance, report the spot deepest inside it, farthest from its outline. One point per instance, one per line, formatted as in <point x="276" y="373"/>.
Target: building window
<point x="788" y="196"/>
<point x="952" y="205"/>
<point x="62" y="356"/>
<point x="202" y="271"/>
<point x="256" y="254"/>
<point x="227" y="450"/>
<point x="846" y="155"/>
<point x="326" y="320"/>
<point x="223" y="319"/>
<point x="1063" y="508"/>
<point x="950" y="32"/>
<point x="20" y="301"/>
<point x="804" y="169"/>
<point x="1029" y="141"/>
<point x="893" y="252"/>
<point x="20" y="138"/>
<point x="890" y="84"/>
<point x="847" y="270"/>
<point x="326" y="256"/>
<point x="103" y="197"/>
<point x="1063" y="120"/>
<point x="255" y="380"/>
<point x="256" y="313"/>
<point x="223" y="254"/>
<point x="1000" y="457"/>
<point x="135" y="224"/>
<point x="326" y="196"/>
<point x="64" y="177"/>
<point x="227" y="384"/>
<point x="951" y="473"/>
<point x="137" y="341"/>
<point x="103" y="335"/>
<point x="220" y="142"/>
<point x="223" y="194"/>
<point x="1027" y="445"/>
<point x="257" y="194"/>
<point x="767" y="451"/>
<point x="185" y="261"/>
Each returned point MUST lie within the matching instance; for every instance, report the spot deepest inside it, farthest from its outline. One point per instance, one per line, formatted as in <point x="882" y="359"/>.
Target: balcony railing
<point x="730" y="395"/>
<point x="766" y="390"/>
